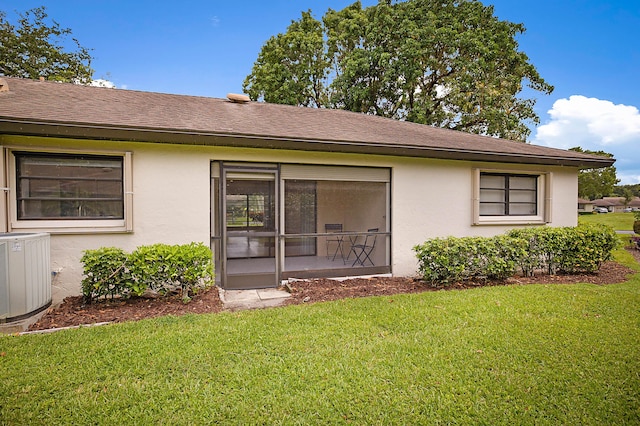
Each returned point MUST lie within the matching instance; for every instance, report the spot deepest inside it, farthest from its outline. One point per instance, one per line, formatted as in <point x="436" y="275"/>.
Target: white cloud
<point x="442" y="91"/>
<point x="596" y="125"/>
<point x="628" y="178"/>
<point x="102" y="83"/>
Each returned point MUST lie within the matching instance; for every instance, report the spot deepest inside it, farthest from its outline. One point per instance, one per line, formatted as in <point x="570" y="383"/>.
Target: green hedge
<point x="106" y="274"/>
<point x="566" y="250"/>
<point x="110" y="272"/>
<point x="447" y="260"/>
<point x="442" y="261"/>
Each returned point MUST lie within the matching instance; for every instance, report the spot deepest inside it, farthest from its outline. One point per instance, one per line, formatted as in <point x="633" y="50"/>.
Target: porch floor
<point x="297" y="263"/>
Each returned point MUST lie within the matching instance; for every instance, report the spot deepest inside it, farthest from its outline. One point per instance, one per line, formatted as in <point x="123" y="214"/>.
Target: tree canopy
<point x="596" y="183"/>
<point x="625" y="190"/>
<point x="447" y="63"/>
<point x="35" y="48"/>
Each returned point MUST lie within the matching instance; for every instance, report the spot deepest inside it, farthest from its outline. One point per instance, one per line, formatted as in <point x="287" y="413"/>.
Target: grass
<point x="623" y="256"/>
<point x="618" y="221"/>
<point x="536" y="354"/>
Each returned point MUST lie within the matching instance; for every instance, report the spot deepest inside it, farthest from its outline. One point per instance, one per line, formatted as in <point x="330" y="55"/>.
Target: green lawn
<point x="618" y="221"/>
<point x="533" y="354"/>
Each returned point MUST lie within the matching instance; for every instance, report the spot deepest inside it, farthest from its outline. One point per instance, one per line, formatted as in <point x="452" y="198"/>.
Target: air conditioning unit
<point x="25" y="275"/>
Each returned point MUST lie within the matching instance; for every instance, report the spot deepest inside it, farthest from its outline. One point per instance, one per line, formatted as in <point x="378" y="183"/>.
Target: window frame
<point x="71" y="224"/>
<point x="508" y="190"/>
<point x="543" y="199"/>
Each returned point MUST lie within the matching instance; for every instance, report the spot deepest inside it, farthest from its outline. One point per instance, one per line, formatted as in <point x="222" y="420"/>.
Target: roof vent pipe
<point x="240" y="99"/>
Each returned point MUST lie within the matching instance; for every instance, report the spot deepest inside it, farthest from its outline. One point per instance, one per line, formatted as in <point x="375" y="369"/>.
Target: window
<point x="508" y="195"/>
<point x="66" y="187"/>
<point x="503" y="197"/>
<point x="70" y="192"/>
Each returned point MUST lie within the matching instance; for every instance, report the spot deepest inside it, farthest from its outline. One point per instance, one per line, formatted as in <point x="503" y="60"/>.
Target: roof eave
<point x="176" y="136"/>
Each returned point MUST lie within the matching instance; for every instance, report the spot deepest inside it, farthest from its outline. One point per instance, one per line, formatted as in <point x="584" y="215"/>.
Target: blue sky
<point x="588" y="49"/>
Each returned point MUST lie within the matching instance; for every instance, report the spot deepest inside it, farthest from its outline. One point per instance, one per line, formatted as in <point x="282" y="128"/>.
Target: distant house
<point x="617" y="204"/>
<point x="585" y="206"/>
<point x="259" y="182"/>
<point x="634" y="204"/>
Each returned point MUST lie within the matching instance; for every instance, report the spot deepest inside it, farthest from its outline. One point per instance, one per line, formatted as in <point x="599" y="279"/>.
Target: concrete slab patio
<point x="235" y="300"/>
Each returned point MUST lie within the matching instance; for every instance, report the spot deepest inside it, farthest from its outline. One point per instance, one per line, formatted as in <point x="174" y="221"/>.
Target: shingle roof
<point x="584" y="201"/>
<point x="31" y="107"/>
<point x="617" y="201"/>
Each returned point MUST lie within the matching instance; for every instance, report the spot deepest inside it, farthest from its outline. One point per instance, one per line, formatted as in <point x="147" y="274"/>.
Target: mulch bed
<point x="323" y="290"/>
<point x="73" y="311"/>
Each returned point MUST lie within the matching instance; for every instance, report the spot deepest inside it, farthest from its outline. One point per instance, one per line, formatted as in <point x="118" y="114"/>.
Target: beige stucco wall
<point x="171" y="200"/>
<point x="433" y="198"/>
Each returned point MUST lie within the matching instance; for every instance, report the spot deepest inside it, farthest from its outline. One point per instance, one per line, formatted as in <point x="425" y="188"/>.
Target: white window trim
<point x="4" y="192"/>
<point x="68" y="226"/>
<point x="544" y="200"/>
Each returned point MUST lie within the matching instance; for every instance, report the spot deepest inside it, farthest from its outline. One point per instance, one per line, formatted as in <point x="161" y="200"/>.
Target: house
<point x="258" y="182"/>
<point x="585" y="206"/>
<point x="634" y="204"/>
<point x="604" y="204"/>
<point x="617" y="204"/>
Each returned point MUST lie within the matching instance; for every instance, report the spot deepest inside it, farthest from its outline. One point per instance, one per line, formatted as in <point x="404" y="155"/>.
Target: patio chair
<point x="338" y="239"/>
<point x="363" y="251"/>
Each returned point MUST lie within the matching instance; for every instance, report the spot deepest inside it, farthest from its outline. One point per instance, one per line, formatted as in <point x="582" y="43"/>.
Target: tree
<point x="596" y="183"/>
<point x="628" y="196"/>
<point x="447" y="63"/>
<point x="35" y="48"/>
<point x="292" y="67"/>
<point x="632" y="190"/>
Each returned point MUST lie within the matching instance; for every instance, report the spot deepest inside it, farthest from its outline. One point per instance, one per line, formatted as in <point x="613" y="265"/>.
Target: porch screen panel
<point x="358" y="209"/>
<point x="250" y="205"/>
<point x="300" y="217"/>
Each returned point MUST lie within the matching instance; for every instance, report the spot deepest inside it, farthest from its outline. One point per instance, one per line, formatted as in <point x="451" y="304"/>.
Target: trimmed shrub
<point x="195" y="268"/>
<point x="543" y="248"/>
<point x="150" y="267"/>
<point x="105" y="273"/>
<point x="587" y="247"/>
<point x="447" y="260"/>
<point x="442" y="261"/>
<point x="167" y="268"/>
<point x="159" y="267"/>
<point x="565" y="250"/>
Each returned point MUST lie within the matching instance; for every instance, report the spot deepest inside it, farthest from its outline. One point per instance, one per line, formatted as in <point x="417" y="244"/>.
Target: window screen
<point x="508" y="195"/>
<point x="61" y="186"/>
